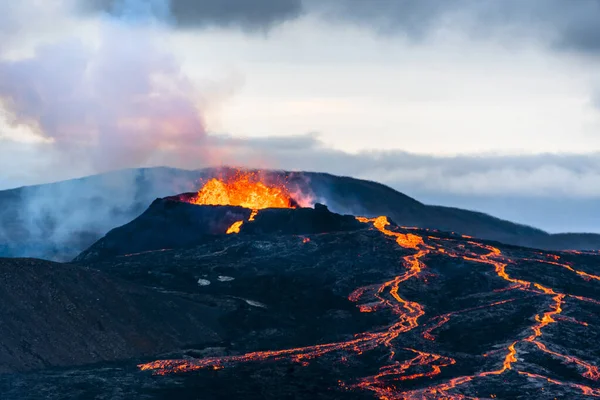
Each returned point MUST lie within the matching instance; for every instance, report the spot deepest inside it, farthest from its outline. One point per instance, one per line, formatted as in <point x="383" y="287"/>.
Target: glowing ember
<point x="245" y="189"/>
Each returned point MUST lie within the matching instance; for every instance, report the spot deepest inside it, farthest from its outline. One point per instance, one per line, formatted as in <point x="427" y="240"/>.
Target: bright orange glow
<point x="407" y="314"/>
<point x="245" y="189"/>
<point x="407" y="240"/>
<point x="252" y="215"/>
<point x="235" y="227"/>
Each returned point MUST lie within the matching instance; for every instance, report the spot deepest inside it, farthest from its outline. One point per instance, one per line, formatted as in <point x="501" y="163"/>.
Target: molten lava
<point x="235" y="227"/>
<point x="245" y="189"/>
<point x="407" y="315"/>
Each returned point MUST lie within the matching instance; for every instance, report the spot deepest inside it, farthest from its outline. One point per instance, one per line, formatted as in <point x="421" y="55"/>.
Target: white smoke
<point x="111" y="100"/>
<point x="105" y="96"/>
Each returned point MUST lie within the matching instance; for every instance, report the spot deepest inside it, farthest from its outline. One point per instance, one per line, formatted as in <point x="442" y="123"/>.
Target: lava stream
<point x="495" y="258"/>
<point x="408" y="313"/>
<point x="387" y="296"/>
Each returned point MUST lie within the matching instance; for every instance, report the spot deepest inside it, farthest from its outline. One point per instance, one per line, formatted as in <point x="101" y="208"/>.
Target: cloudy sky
<point x="490" y="105"/>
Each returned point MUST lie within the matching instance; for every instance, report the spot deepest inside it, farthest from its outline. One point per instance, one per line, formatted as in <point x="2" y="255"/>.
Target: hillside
<point x="57" y="221"/>
<point x="303" y="304"/>
<point x="63" y="315"/>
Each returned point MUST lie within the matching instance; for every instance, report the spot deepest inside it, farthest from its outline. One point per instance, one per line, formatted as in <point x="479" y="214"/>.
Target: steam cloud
<point x="122" y="101"/>
<point x="111" y="99"/>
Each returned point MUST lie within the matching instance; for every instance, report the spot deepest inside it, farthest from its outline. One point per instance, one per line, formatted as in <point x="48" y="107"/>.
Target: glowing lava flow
<point x="235" y="227"/>
<point x="547" y="318"/>
<point x="386" y="295"/>
<point x="246" y="190"/>
<point x="385" y="384"/>
<point x="495" y="258"/>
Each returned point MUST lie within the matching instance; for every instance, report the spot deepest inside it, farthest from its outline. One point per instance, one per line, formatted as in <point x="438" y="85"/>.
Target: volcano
<point x="299" y="302"/>
<point x="60" y="220"/>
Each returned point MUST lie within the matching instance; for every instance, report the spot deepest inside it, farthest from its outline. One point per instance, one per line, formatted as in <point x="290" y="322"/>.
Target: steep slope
<point x="57" y="221"/>
<point x="172" y="224"/>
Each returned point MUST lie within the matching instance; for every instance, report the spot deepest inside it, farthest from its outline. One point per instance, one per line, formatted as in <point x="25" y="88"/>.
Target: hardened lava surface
<point x="373" y="312"/>
<point x="386" y="312"/>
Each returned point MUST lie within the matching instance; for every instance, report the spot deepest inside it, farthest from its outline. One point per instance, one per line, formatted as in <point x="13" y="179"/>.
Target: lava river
<point x="409" y="315"/>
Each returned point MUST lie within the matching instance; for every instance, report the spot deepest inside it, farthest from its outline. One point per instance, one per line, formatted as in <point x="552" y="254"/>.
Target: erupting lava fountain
<point x="244" y="189"/>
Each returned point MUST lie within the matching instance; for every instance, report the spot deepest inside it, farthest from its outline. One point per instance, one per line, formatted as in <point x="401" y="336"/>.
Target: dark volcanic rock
<point x="301" y="304"/>
<point x="166" y="224"/>
<point x="173" y="224"/>
<point x="291" y="292"/>
<point x="57" y="314"/>
<point x="301" y="221"/>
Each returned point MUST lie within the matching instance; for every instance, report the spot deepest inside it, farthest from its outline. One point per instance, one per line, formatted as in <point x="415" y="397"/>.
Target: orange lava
<point x="245" y="189"/>
<point x="407" y="313"/>
<point x="385" y="296"/>
<point x="235" y="227"/>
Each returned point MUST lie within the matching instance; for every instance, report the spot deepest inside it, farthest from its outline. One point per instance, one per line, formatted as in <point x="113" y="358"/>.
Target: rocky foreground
<point x="286" y="308"/>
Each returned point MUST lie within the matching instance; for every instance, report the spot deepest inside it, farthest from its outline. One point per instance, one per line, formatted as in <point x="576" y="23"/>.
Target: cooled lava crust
<point x="350" y="308"/>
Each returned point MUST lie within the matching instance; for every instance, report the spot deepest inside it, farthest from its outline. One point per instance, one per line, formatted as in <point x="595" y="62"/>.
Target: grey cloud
<point x="561" y="24"/>
<point x="251" y="15"/>
<point x="15" y="15"/>
<point x="266" y="144"/>
<point x="7" y="23"/>
<point x="413" y="17"/>
<point x="543" y="175"/>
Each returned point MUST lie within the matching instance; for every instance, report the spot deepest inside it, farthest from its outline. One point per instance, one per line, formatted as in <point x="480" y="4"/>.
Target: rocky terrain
<point x="307" y="304"/>
<point x="64" y="315"/>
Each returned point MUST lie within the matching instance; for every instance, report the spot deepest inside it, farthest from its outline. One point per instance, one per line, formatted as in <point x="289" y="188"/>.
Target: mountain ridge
<point x="59" y="220"/>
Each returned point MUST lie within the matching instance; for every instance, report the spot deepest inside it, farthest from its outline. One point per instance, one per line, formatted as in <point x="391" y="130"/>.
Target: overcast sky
<point x="451" y="101"/>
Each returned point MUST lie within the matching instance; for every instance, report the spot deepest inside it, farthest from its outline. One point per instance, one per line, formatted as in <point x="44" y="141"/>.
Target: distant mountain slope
<point x="59" y="220"/>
